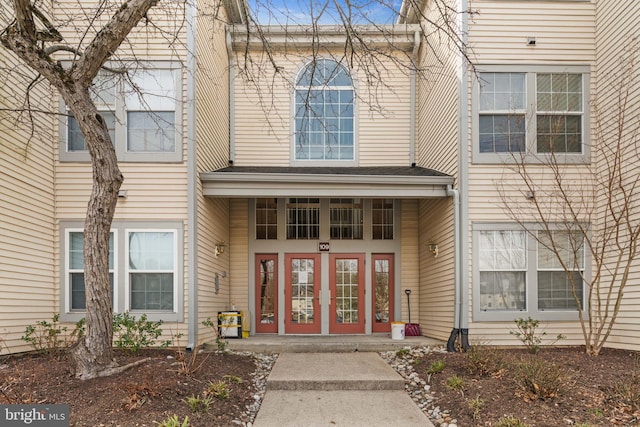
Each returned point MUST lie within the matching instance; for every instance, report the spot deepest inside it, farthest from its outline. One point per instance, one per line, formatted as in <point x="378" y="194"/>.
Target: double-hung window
<point x="75" y="269"/>
<point x="324" y="118"/>
<point x="518" y="273"/>
<point x="145" y="271"/>
<point x="141" y="110"/>
<point x="529" y="113"/>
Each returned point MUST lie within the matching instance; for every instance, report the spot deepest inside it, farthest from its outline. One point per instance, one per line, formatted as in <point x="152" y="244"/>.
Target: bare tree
<point x="37" y="40"/>
<point x="34" y="39"/>
<point x="583" y="211"/>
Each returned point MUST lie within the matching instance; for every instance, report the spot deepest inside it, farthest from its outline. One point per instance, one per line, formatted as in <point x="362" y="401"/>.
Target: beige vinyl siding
<point x="28" y="208"/>
<point x="564" y="31"/>
<point x="618" y="34"/>
<point x="238" y="293"/>
<point x="437" y="284"/>
<point x="437" y="101"/>
<point x="262" y="113"/>
<point x="212" y="142"/>
<point x="409" y="260"/>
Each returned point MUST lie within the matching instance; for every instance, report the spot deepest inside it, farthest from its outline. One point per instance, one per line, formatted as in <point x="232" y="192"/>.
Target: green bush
<point x="51" y="338"/>
<point x="219" y="390"/>
<point x="198" y="404"/>
<point x="220" y="342"/>
<point x="133" y="334"/>
<point x="527" y="333"/>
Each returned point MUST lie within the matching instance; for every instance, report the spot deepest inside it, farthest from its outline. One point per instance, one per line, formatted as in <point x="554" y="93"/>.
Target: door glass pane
<point x="302" y="291"/>
<point x="382" y="291"/>
<point x="346" y="291"/>
<point x="267" y="291"/>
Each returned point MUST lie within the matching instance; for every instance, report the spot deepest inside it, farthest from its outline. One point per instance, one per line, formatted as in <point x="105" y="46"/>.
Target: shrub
<point x="627" y="391"/>
<point x="51" y="338"/>
<point x="133" y="334"/>
<point x="526" y="333"/>
<point x="539" y="380"/>
<point x="221" y="343"/>
<point x="483" y="359"/>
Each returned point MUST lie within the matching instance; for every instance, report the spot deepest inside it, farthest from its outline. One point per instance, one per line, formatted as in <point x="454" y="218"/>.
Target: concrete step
<point x="333" y="371"/>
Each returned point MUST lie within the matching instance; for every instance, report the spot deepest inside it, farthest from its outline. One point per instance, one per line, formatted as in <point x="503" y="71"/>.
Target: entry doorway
<point x="346" y="294"/>
<point x="302" y="294"/>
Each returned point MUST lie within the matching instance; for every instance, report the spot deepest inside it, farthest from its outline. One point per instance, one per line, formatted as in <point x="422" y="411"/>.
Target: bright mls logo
<point x="34" y="415"/>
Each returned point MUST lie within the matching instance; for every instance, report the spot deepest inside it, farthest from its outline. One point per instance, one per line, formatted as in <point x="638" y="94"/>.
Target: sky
<point x="298" y="12"/>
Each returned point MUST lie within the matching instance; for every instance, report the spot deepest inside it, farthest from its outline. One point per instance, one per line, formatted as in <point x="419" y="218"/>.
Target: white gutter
<point x="192" y="175"/>
<point x="232" y="133"/>
<point x="412" y="135"/>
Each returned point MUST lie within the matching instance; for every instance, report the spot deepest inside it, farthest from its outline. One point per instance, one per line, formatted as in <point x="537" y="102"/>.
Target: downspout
<point x="192" y="208"/>
<point x="412" y="102"/>
<point x="461" y="311"/>
<point x="232" y="134"/>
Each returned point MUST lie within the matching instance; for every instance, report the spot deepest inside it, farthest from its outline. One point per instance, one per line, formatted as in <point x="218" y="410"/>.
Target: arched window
<point x="324" y="113"/>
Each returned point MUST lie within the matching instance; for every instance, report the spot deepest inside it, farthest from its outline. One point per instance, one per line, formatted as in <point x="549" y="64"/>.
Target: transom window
<point x="324" y="119"/>
<point x="346" y="219"/>
<point x="303" y="218"/>
<point x="531" y="112"/>
<point x="519" y="273"/>
<point x="382" y="219"/>
<point x="266" y="219"/>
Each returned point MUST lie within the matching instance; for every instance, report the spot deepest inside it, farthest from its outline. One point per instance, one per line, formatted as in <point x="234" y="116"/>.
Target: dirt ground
<point x="592" y="391"/>
<point x="145" y="395"/>
<point x="566" y="387"/>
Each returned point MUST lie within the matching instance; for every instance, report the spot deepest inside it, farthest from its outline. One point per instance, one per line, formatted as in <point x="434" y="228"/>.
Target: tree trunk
<point x="93" y="354"/>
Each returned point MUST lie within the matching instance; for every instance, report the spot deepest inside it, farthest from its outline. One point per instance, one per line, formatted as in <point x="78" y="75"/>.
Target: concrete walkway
<point x="336" y="389"/>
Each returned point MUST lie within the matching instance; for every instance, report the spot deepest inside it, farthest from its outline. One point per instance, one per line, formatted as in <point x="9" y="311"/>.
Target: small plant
<point x="133" y="334"/>
<point x="476" y="406"/>
<point x="455" y="382"/>
<point x="540" y="380"/>
<point x="509" y="421"/>
<point x="219" y="390"/>
<point x="435" y="368"/>
<point x="627" y="391"/>
<point x="232" y="379"/>
<point x="221" y="343"/>
<point x="402" y="352"/>
<point x="198" y="404"/>
<point x="526" y="333"/>
<point x="51" y="338"/>
<point x="188" y="364"/>
<point x="174" y="421"/>
<point x="483" y="359"/>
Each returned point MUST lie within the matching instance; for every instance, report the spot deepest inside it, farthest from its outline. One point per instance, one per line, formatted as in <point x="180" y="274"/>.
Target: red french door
<point x="266" y="293"/>
<point x="346" y="285"/>
<point x="302" y="294"/>
<point x="382" y="292"/>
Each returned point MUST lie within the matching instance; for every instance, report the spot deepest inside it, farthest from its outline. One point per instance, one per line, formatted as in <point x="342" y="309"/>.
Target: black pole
<point x="408" y="292"/>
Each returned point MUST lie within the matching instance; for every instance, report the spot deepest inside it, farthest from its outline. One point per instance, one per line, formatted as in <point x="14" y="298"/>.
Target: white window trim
<point x="121" y="287"/>
<point x="292" y="120"/>
<point x="530" y="91"/>
<point x="531" y="292"/>
<point x="127" y="295"/>
<point x="120" y="110"/>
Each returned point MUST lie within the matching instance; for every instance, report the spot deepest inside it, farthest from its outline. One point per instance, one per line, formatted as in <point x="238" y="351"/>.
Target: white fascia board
<point x="304" y="185"/>
<point x="401" y="37"/>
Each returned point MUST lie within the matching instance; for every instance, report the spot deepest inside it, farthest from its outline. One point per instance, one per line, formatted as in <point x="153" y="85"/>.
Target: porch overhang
<point x="367" y="182"/>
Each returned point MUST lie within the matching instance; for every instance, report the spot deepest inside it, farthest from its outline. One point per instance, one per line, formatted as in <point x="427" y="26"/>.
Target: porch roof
<point x="381" y="181"/>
